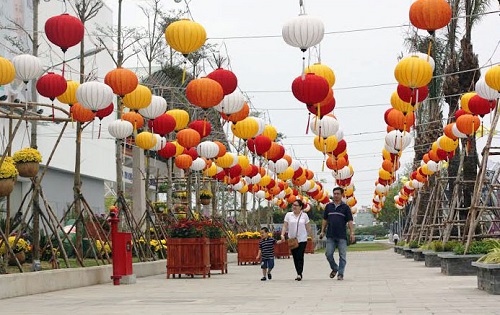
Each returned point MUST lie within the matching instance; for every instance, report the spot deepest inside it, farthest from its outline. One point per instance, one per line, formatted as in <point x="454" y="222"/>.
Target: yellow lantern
<point x="464" y="101"/>
<point x="179" y="149"/>
<point x="434" y="146"/>
<point x="7" y="71"/>
<point x="145" y="140"/>
<point x="211" y="171"/>
<point x="265" y="180"/>
<point x="425" y="170"/>
<point x="492" y="78"/>
<point x="398" y="104"/>
<point x="385" y="175"/>
<point x="270" y="132"/>
<point x="138" y="98"/>
<point x="69" y="96"/>
<point x="413" y="72"/>
<point x="287" y="174"/>
<point x="244" y="189"/>
<point x="185" y="36"/>
<point x="323" y="71"/>
<point x="243" y="161"/>
<point x="246" y="128"/>
<point x="349" y="191"/>
<point x="447" y="144"/>
<point x="225" y="161"/>
<point x="181" y="118"/>
<point x="325" y="145"/>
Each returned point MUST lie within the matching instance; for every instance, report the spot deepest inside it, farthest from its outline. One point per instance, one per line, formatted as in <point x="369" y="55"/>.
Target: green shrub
<point x="493" y="257"/>
<point x="436" y="246"/>
<point x="449" y="246"/>
<point x="413" y="244"/>
<point x="477" y="247"/>
<point x="401" y="243"/>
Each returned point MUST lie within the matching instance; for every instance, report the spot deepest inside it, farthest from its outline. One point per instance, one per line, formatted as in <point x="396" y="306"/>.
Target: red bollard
<point x="121" y="251"/>
<point x="113" y="220"/>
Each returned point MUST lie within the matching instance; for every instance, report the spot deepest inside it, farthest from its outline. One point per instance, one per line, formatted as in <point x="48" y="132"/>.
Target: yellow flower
<point x="205" y="194"/>
<point x="21" y="246"/>
<point x="8" y="168"/>
<point x="27" y="155"/>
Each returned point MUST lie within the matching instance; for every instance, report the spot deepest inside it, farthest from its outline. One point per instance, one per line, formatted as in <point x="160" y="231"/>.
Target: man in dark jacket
<point x="337" y="214"/>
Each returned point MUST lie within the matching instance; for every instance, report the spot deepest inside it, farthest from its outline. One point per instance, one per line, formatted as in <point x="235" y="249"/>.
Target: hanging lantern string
<point x="303" y="64"/>
<point x="64" y="62"/>
<point x="308" y="121"/>
<point x="184" y="70"/>
<point x="302" y="7"/>
<point x="99" y="132"/>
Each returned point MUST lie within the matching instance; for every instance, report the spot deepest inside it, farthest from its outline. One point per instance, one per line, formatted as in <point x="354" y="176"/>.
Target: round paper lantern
<point x="324" y="107"/>
<point x="191" y="152"/>
<point x="120" y="129"/>
<point x="239" y="115"/>
<point x="481" y="106"/>
<point x="181" y="118"/>
<point x="207" y="149"/>
<point x="138" y="98"/>
<point x="51" y="85"/>
<point x="94" y="95"/>
<point x="492" y="77"/>
<point x="324" y="127"/>
<point x="204" y="92"/>
<point x="7" y="71"/>
<point x="226" y="79"/>
<point x="168" y="150"/>
<point x="188" y="138"/>
<point x="341" y="147"/>
<point x="222" y="148"/>
<point x="145" y="140"/>
<point x="246" y="128"/>
<point x="64" y="31"/>
<point x="447" y="144"/>
<point x="231" y="103"/>
<point x="122" y="81"/>
<point x="311" y="89"/>
<point x="430" y="15"/>
<point x="398" y="120"/>
<point x="398" y="104"/>
<point x="135" y="119"/>
<point x="198" y="164"/>
<point x="28" y="67"/>
<point x="226" y="161"/>
<point x="270" y="132"/>
<point x="160" y="142"/>
<point x="448" y="131"/>
<point x="468" y="124"/>
<point x="259" y="145"/>
<point x="303" y="31"/>
<point x="183" y="161"/>
<point x="465" y="99"/>
<point x="157" y="107"/>
<point x="412" y="96"/>
<point x="413" y="72"/>
<point x="101" y="114"/>
<point x="325" y="144"/>
<point x="423" y="56"/>
<point x="69" y="96"/>
<point x="163" y="124"/>
<point x="203" y="127"/>
<point x="185" y="36"/>
<point x="323" y="71"/>
<point x="486" y="92"/>
<point x="336" y="163"/>
<point x="81" y="113"/>
<point x="275" y="153"/>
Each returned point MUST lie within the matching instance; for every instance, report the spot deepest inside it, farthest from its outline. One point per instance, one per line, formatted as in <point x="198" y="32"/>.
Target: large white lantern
<point x="28" y="67"/>
<point x="303" y="31"/>
<point x="231" y="103"/>
<point x="120" y="129"/>
<point x="94" y="95"/>
<point x="157" y="107"/>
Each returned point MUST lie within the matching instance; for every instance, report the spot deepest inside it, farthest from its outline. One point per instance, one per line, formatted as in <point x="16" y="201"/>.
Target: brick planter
<point x="310" y="247"/>
<point x="218" y="254"/>
<point x="247" y="251"/>
<point x="431" y="259"/>
<point x="281" y="250"/>
<point x="418" y="255"/>
<point x="488" y="277"/>
<point x="189" y="256"/>
<point x="407" y="252"/>
<point x="458" y="265"/>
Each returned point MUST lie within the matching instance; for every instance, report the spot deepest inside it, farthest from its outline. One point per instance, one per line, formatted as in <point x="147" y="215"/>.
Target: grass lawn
<point x="363" y="247"/>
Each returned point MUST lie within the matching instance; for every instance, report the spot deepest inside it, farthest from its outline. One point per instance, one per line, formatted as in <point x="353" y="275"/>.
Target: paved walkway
<point x="381" y="282"/>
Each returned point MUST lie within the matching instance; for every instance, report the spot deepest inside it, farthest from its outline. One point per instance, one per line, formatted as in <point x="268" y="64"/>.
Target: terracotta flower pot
<point x="28" y="169"/>
<point x="6" y="186"/>
<point x="21" y="257"/>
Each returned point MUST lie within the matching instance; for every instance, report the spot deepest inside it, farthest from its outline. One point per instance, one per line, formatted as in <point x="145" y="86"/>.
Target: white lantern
<point x="160" y="142"/>
<point x="238" y="186"/>
<point x="198" y="164"/>
<point x="425" y="57"/>
<point x="94" y="95"/>
<point x="207" y="149"/>
<point x="256" y="179"/>
<point x="157" y="107"/>
<point x="483" y="90"/>
<point x="324" y="127"/>
<point x="260" y="194"/>
<point x="295" y="165"/>
<point x="231" y="103"/>
<point x="340" y="134"/>
<point x="398" y="140"/>
<point x="457" y="133"/>
<point x="28" y="67"/>
<point x="120" y="129"/>
<point x="280" y="166"/>
<point x="303" y="31"/>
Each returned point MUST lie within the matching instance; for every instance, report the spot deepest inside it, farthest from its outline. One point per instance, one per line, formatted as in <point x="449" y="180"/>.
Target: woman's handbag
<point x="293" y="242"/>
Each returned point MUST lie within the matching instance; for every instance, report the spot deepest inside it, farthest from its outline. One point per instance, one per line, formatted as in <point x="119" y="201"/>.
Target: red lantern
<point x="324" y="107"/>
<point x="168" y="150"/>
<point x="412" y="95"/>
<point x="259" y="145"/>
<point x="163" y="124"/>
<point x="275" y="153"/>
<point x="459" y="113"/>
<point x="51" y="85"/>
<point x="480" y="106"/>
<point x="311" y="89"/>
<point x="191" y="152"/>
<point x="203" y="127"/>
<point x="105" y="112"/>
<point x="64" y="31"/>
<point x="226" y="79"/>
<point x="341" y="147"/>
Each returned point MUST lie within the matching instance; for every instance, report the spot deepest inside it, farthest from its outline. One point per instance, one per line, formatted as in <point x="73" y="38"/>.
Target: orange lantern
<point x="239" y="115"/>
<point x="468" y="124"/>
<point x="122" y="81"/>
<point x="134" y="118"/>
<point x="204" y="92"/>
<point x="81" y="114"/>
<point x="183" y="161"/>
<point x="222" y="148"/>
<point x="188" y="138"/>
<point x="430" y="15"/>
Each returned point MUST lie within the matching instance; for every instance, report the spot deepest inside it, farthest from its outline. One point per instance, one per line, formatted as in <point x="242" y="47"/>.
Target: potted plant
<point x="160" y="206"/>
<point x="19" y="248"/>
<point x="8" y="175"/>
<point x="217" y="245"/>
<point x="162" y="188"/>
<point x="27" y="161"/>
<point x="459" y="263"/>
<point x="188" y="250"/>
<point x="488" y="270"/>
<point x="205" y="197"/>
<point x="310" y="246"/>
<point x="248" y="247"/>
<point x="281" y="250"/>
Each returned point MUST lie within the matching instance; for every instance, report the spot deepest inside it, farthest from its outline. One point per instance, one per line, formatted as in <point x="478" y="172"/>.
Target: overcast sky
<point x="363" y="40"/>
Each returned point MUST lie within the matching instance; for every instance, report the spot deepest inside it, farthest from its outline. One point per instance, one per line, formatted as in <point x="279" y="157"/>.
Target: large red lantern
<point x="163" y="124"/>
<point x="226" y="79"/>
<point x="259" y="145"/>
<point x="168" y="150"/>
<point x="326" y="106"/>
<point x="51" y="85"/>
<point x="412" y="95"/>
<point x="64" y="31"/>
<point x="310" y="89"/>
<point x="481" y="106"/>
<point x="202" y="126"/>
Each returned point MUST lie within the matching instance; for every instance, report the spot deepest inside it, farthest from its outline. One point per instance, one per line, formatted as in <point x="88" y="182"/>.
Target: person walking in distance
<point x="266" y="253"/>
<point x="336" y="215"/>
<point x="296" y="223"/>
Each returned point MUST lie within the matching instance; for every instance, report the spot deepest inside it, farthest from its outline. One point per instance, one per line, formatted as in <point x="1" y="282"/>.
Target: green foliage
<point x="414" y="244"/>
<point x="401" y="243"/>
<point x="436" y="246"/>
<point x="450" y="246"/>
<point x="389" y="213"/>
<point x="477" y="247"/>
<point x="377" y="230"/>
<point x="493" y="257"/>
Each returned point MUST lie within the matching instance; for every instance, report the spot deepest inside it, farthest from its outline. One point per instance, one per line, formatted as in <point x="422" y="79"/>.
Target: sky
<point x="363" y="39"/>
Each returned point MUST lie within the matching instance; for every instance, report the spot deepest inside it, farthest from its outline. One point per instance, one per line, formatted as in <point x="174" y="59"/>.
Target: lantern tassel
<point x="308" y="120"/>
<point x="53" y="111"/>
<point x="303" y="66"/>
<point x="323" y="164"/>
<point x="184" y="72"/>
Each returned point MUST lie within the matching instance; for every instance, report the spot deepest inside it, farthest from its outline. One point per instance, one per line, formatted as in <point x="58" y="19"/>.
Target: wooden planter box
<point x="218" y="254"/>
<point x="418" y="255"/>
<point x="310" y="247"/>
<point x="247" y="251"/>
<point x="281" y="250"/>
<point x="488" y="277"/>
<point x="458" y="265"/>
<point x="189" y="256"/>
